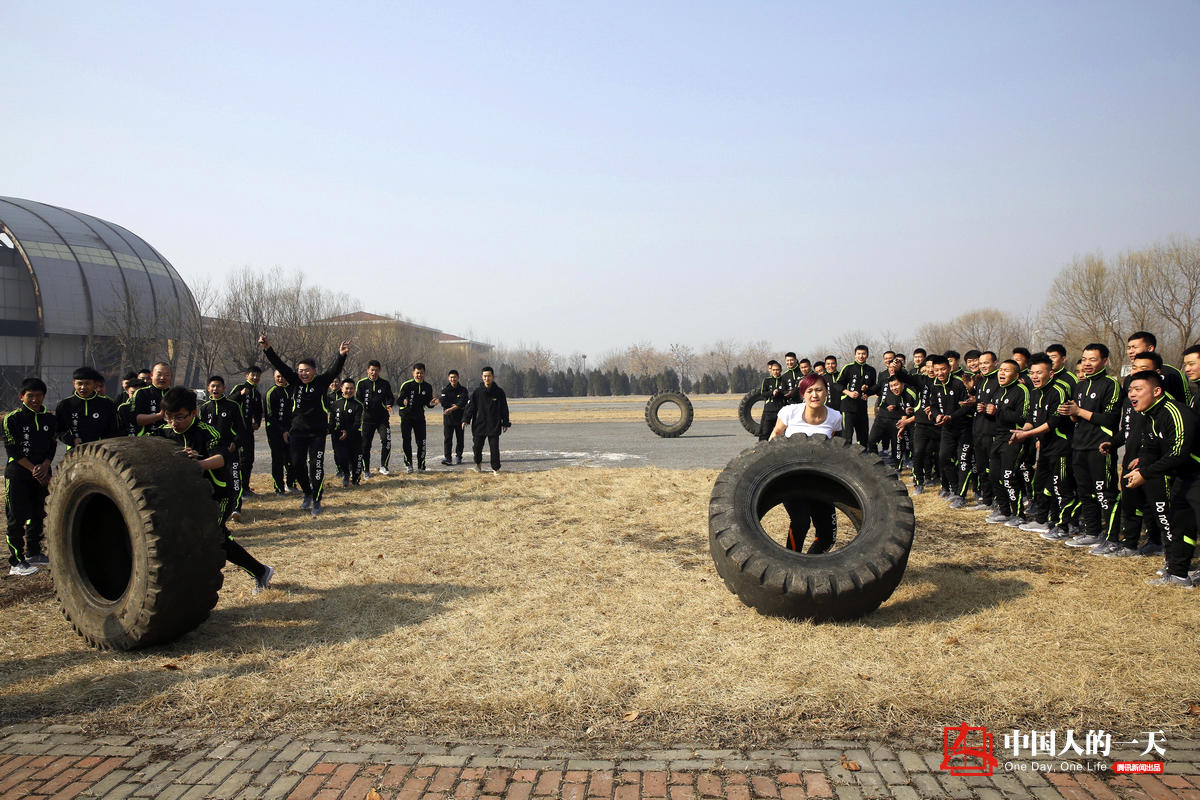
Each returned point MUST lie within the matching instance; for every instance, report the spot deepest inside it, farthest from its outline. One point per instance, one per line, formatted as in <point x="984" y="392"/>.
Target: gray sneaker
<point x="264" y="581"/>
<point x="1194" y="575"/>
<point x="384" y="471"/>
<point x="1016" y="521"/>
<point x="918" y="489"/>
<point x="1055" y="535"/>
<point x="1104" y="548"/>
<point x="1036" y="527"/>
<point x="316" y="509"/>
<point x="943" y="493"/>
<point x="1083" y="540"/>
<point x="1174" y="581"/>
<point x="1121" y="552"/>
<point x="1150" y="549"/>
<point x="38" y="560"/>
<point x="979" y="505"/>
<point x="306" y="503"/>
<point x="24" y="568"/>
<point x="957" y="501"/>
<point x="996" y="518"/>
<point x="409" y="470"/>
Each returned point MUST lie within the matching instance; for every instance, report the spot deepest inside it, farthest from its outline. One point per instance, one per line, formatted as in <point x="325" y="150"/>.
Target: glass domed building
<point x="77" y="290"/>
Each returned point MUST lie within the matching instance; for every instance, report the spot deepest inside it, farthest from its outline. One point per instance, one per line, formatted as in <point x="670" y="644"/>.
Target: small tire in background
<point x="665" y="430"/>
<point x="746" y="410"/>
<point x="133" y="537"/>
<point x="848" y="582"/>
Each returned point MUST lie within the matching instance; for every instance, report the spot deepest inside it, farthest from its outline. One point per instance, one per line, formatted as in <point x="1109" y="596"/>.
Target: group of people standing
<point x="299" y="416"/>
<point x="1034" y="441"/>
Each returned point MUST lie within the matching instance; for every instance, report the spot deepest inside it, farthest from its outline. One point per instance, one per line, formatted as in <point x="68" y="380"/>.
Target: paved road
<point x="64" y="761"/>
<point x="706" y="445"/>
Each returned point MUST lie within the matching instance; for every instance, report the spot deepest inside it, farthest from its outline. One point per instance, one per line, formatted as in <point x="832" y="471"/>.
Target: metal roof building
<point x="76" y="290"/>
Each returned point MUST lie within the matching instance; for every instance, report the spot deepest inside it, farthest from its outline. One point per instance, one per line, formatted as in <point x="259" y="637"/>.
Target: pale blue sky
<point x="588" y="176"/>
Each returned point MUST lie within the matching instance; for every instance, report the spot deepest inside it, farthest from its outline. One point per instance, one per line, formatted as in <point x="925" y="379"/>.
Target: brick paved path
<point x="61" y="761"/>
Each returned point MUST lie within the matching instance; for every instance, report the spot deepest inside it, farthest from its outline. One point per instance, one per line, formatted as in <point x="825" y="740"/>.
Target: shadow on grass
<point x="958" y="590"/>
<point x="257" y="636"/>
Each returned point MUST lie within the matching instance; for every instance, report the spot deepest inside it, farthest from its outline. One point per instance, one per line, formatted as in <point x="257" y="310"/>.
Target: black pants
<point x="24" y="500"/>
<point x="1053" y="490"/>
<point x="384" y="429"/>
<point x="308" y="461"/>
<point x="770" y="415"/>
<point x="235" y="472"/>
<point x="1008" y="487"/>
<point x="954" y="458"/>
<point x="822" y="517"/>
<point x="493" y="443"/>
<point x="883" y="430"/>
<point x="347" y="455"/>
<point x="926" y="439"/>
<point x="281" y="459"/>
<point x="234" y="553"/>
<point x="854" y="421"/>
<point x="246" y="459"/>
<point x="413" y="429"/>
<point x="453" y="434"/>
<point x="984" y="480"/>
<point x="1185" y="522"/>
<point x="1096" y="488"/>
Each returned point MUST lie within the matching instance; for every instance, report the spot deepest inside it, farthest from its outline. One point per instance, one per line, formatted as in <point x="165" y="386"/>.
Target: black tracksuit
<point x="248" y="398"/>
<point x="414" y="397"/>
<point x="88" y="419"/>
<point x="28" y="434"/>
<point x="774" y="391"/>
<point x="1126" y="524"/>
<point x="376" y="397"/>
<point x="1053" y="489"/>
<point x="487" y="414"/>
<point x="226" y="416"/>
<point x="277" y="416"/>
<point x="1012" y="411"/>
<point x="147" y="400"/>
<point x="983" y="430"/>
<point x="1169" y="443"/>
<point x="207" y="441"/>
<point x="1095" y="472"/>
<point x="310" y="423"/>
<point x="856" y="378"/>
<point x="126" y="421"/>
<point x="453" y="397"/>
<point x="889" y="411"/>
<point x="347" y="417"/>
<point x="954" y="450"/>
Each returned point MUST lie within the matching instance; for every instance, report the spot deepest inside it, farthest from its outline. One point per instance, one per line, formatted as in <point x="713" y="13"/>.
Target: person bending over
<point x="813" y="417"/>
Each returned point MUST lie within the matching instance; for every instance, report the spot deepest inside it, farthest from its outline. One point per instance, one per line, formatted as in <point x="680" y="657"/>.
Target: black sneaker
<point x="38" y="560"/>
<point x="1150" y="549"/>
<point x="447" y="462"/>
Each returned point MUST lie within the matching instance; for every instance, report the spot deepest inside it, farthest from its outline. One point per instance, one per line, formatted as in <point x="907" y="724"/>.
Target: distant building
<point x="76" y="290"/>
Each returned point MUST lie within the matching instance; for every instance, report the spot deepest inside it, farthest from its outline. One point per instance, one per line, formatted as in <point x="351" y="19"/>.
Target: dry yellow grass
<point x="549" y="604"/>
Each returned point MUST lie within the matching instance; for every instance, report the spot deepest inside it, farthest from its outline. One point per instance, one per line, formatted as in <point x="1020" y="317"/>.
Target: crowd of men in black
<point x="300" y="411"/>
<point x="1035" y="442"/>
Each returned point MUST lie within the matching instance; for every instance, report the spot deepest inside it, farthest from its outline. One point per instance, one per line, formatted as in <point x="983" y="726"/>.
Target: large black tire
<point x="134" y="541"/>
<point x="685" y="417"/>
<point x="746" y="410"/>
<point x="845" y="583"/>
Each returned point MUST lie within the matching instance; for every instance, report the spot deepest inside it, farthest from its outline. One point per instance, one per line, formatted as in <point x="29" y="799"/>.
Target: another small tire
<point x="685" y="416"/>
<point x="845" y="583"/>
<point x="134" y="540"/>
<point x="746" y="410"/>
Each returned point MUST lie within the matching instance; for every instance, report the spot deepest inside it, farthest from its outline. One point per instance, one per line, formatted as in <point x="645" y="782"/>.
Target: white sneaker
<point x="384" y="471"/>
<point x="24" y="568"/>
<point x="409" y="470"/>
<point x="495" y="472"/>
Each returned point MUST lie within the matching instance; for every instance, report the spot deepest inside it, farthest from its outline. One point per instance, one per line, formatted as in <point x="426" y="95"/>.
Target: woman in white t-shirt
<point x="813" y="417"/>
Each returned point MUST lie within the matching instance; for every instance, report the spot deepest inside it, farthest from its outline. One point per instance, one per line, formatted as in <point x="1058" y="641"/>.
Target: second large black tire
<point x="847" y="582"/>
<point x="686" y="414"/>
<point x="746" y="410"/>
<point x="134" y="540"/>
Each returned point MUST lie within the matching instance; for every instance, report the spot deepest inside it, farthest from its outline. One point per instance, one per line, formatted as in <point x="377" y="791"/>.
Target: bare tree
<point x="1083" y="304"/>
<point x="682" y="359"/>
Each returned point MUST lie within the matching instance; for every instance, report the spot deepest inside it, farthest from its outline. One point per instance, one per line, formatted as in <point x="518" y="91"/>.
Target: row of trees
<point x="1094" y="298"/>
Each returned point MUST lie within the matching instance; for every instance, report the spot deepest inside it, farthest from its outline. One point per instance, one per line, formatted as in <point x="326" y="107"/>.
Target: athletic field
<point x="573" y="597"/>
